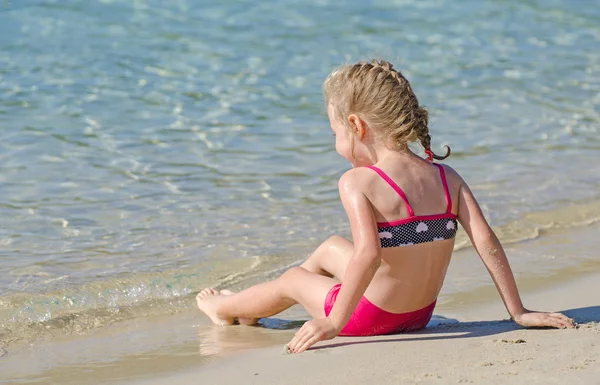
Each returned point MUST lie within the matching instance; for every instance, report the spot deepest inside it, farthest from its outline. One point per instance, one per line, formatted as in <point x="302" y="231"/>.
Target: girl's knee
<point x="289" y="280"/>
<point x="293" y="273"/>
<point x="336" y="241"/>
<point x="331" y="242"/>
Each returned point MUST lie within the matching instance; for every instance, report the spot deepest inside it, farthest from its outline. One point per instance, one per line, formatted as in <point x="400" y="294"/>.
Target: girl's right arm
<point x="492" y="254"/>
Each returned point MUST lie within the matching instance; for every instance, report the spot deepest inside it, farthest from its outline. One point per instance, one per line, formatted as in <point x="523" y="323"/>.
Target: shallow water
<point x="148" y="148"/>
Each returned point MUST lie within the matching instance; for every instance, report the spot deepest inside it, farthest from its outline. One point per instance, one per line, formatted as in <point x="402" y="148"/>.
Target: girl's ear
<point x="357" y="125"/>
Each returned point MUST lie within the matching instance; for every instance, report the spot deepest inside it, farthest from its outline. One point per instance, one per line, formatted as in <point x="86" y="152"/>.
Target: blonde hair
<point x="383" y="98"/>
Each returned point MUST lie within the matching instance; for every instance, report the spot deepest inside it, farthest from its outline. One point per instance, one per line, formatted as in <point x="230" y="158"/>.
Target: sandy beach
<point x="479" y="346"/>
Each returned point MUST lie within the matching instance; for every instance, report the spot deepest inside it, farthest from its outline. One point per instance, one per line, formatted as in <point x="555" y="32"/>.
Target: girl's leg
<point x="211" y="291"/>
<point x="331" y="258"/>
<point x="297" y="285"/>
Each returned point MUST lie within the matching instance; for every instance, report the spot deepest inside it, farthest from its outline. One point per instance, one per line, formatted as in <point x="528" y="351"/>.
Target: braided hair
<point x="384" y="98"/>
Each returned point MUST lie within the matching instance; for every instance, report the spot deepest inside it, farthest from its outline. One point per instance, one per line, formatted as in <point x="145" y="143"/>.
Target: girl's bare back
<point x="411" y="275"/>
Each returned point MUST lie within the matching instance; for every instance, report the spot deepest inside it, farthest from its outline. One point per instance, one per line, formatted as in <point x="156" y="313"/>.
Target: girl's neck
<point x="385" y="155"/>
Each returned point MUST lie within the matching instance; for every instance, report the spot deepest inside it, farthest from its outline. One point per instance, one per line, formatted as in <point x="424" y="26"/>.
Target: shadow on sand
<point x="445" y="328"/>
<point x="216" y="340"/>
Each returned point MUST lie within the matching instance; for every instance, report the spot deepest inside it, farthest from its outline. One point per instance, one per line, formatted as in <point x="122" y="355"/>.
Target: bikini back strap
<point x="396" y="188"/>
<point x="445" y="184"/>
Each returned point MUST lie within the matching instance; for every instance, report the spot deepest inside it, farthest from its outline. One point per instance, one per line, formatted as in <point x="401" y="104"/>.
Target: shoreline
<point x="478" y="346"/>
<point x="27" y="317"/>
<point x="174" y="347"/>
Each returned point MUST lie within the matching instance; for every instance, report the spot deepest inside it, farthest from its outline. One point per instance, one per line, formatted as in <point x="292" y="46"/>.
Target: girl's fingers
<point x="557" y="322"/>
<point x="301" y="343"/>
<point x="552" y="321"/>
<point x="297" y="338"/>
<point x="292" y="344"/>
<point x="563" y="320"/>
<point x="300" y="333"/>
<point x="310" y="342"/>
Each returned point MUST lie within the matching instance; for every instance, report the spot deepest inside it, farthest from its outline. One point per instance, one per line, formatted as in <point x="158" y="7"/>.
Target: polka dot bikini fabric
<point x="418" y="231"/>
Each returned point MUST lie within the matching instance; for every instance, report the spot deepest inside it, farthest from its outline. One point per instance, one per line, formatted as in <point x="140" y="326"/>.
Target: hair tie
<point x="429" y="155"/>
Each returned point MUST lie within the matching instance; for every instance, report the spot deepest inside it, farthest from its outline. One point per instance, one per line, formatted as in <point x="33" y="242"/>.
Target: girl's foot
<point x="208" y="301"/>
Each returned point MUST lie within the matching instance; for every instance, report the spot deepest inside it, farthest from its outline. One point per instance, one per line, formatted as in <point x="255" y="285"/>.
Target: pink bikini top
<point x="417" y="228"/>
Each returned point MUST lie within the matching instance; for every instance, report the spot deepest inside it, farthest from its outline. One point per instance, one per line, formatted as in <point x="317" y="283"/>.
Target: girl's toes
<point x="203" y="293"/>
<point x="206" y="292"/>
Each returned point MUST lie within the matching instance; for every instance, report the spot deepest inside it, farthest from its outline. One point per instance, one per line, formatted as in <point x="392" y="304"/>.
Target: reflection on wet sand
<point x="226" y="340"/>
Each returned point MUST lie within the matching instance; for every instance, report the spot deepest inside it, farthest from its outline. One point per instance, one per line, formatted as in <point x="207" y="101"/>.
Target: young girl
<point x="403" y="213"/>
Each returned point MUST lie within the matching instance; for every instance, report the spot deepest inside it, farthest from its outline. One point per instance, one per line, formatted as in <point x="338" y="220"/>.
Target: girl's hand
<point x="312" y="332"/>
<point x="541" y="319"/>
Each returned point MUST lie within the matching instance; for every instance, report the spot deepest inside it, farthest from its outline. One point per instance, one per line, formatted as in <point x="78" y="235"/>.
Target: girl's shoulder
<point x="357" y="179"/>
<point x="452" y="176"/>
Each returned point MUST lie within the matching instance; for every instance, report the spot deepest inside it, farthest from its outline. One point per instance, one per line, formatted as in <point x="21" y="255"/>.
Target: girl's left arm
<point x="359" y="273"/>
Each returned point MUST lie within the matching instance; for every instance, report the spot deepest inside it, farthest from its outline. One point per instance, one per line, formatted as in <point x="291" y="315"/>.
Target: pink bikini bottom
<point x="369" y="320"/>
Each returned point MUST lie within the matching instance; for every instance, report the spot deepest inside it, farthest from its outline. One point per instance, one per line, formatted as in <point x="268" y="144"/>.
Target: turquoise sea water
<point x="149" y="148"/>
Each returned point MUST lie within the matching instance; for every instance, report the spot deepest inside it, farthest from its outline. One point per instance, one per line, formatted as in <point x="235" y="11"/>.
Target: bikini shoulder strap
<point x="445" y="184"/>
<point x="395" y="187"/>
